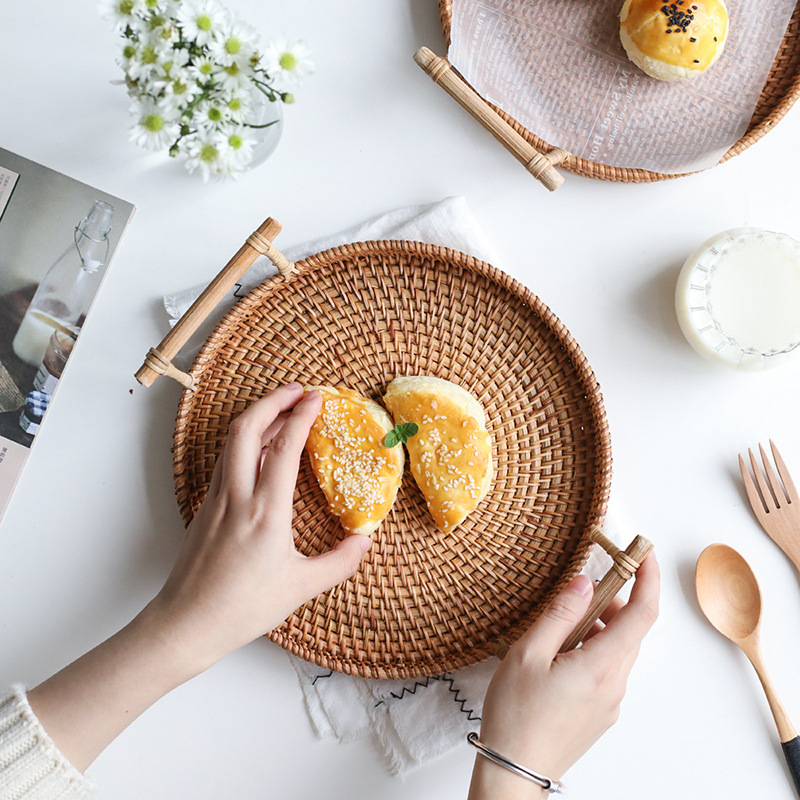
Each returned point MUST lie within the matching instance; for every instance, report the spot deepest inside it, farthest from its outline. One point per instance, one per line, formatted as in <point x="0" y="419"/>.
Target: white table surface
<point x="93" y="525"/>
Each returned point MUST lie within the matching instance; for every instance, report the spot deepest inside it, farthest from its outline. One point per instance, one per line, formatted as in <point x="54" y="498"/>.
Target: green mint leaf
<point x="407" y="431"/>
<point x="400" y="433"/>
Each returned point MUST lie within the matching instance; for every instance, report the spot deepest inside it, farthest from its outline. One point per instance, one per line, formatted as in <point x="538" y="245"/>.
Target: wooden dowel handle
<point x="786" y="731"/>
<point x="626" y="562"/>
<point x="540" y="165"/>
<point x="259" y="242"/>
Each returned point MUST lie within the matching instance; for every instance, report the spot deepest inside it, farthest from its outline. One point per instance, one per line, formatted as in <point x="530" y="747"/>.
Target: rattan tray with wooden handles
<point x="423" y="602"/>
<point x="778" y="95"/>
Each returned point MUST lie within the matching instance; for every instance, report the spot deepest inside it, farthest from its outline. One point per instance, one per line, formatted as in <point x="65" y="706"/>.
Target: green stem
<point x="268" y="93"/>
<point x="265" y="125"/>
<point x="189" y="110"/>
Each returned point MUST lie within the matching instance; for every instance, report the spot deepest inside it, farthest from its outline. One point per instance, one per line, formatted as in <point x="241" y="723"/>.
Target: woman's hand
<point x="543" y="709"/>
<point x="238" y="574"/>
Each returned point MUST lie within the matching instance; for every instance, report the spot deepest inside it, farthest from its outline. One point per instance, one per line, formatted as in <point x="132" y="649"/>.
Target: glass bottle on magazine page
<point x="67" y="290"/>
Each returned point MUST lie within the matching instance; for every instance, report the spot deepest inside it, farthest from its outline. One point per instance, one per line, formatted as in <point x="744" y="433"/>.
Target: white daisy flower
<point x="236" y="43"/>
<point x="200" y="20"/>
<point x="179" y="93"/>
<point x="239" y="105"/>
<point x="234" y="78"/>
<point x="120" y="12"/>
<point x="155" y="128"/>
<point x="170" y="66"/>
<point x="239" y="145"/>
<point x="211" y="114"/>
<point x="128" y="53"/>
<point x="167" y="34"/>
<point x="153" y="6"/>
<point x="145" y="62"/>
<point x="288" y="62"/>
<point x="203" y="68"/>
<point x="138" y="28"/>
<point x="205" y="151"/>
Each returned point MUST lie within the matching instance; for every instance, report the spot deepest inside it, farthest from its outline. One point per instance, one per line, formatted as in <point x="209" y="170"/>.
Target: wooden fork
<point x="774" y="501"/>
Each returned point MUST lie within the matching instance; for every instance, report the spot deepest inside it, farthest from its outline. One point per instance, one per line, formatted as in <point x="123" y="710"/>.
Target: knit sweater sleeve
<point x="31" y="766"/>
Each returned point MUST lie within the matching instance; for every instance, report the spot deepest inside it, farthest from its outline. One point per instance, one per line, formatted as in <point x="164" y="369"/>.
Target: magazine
<point x="57" y="237"/>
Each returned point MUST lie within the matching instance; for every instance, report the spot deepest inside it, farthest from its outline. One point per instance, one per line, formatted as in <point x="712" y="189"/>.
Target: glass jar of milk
<point x="738" y="298"/>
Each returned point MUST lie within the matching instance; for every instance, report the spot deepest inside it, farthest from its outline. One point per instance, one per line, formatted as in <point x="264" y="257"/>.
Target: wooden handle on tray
<point x="626" y="562"/>
<point x="159" y="359"/>
<point x="540" y="165"/>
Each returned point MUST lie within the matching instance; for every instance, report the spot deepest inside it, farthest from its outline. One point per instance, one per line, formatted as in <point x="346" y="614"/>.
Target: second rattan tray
<point x="779" y="94"/>
<point x="423" y="602"/>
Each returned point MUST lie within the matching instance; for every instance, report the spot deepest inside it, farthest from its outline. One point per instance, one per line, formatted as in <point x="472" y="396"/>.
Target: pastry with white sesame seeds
<point x="358" y="474"/>
<point x="451" y="453"/>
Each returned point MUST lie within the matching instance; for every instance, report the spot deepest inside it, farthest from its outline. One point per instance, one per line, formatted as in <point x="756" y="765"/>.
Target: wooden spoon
<point x="729" y="595"/>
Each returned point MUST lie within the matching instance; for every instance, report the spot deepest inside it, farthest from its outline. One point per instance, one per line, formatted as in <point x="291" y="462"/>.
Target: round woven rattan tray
<point x="423" y="602"/>
<point x="778" y="95"/>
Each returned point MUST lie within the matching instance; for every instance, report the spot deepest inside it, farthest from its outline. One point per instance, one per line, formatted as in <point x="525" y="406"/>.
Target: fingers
<point x="282" y="459"/>
<point x="605" y="617"/>
<point x="557" y="621"/>
<point x="611" y="610"/>
<point x="241" y="455"/>
<point x="269" y="434"/>
<point x="274" y="427"/>
<point x="625" y="631"/>
<point x="329" y="569"/>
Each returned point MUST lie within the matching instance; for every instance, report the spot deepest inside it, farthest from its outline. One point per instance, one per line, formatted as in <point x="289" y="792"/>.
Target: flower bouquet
<point x="199" y="82"/>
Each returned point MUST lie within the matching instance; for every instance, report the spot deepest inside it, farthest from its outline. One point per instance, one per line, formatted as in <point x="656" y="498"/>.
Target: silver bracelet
<point x="548" y="784"/>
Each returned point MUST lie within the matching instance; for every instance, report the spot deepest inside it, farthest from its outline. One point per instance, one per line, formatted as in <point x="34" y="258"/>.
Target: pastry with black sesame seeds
<point x="673" y="39"/>
<point x="358" y="474"/>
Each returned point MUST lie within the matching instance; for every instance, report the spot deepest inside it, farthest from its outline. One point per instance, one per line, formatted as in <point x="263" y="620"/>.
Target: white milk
<point x="738" y="298"/>
<point x="33" y="337"/>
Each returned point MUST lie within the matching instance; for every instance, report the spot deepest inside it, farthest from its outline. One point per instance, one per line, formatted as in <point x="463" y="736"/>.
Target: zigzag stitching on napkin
<point x="451" y="687"/>
<point x="321" y="676"/>
<point x="470" y="712"/>
<point x="417" y="684"/>
<point x="406" y="690"/>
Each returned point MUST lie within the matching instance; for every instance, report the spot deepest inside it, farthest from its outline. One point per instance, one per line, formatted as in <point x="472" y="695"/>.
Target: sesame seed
<point x="356" y="473"/>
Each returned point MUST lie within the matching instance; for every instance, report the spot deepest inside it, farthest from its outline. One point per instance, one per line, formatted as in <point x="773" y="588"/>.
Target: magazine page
<point x="57" y="237"/>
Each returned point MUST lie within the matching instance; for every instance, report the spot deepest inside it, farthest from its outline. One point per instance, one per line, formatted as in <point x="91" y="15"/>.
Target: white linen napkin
<point x="412" y="721"/>
<point x="448" y="222"/>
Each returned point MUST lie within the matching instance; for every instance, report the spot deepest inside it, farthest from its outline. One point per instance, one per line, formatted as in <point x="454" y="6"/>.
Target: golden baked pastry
<point x="358" y="474"/>
<point x="673" y="40"/>
<point x="451" y="453"/>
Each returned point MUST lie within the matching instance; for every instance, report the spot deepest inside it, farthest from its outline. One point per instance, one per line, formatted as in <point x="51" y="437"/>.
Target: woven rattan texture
<point x="779" y="94"/>
<point x="423" y="602"/>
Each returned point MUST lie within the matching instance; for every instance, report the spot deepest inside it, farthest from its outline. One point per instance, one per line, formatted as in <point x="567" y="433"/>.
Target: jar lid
<point x="36" y="403"/>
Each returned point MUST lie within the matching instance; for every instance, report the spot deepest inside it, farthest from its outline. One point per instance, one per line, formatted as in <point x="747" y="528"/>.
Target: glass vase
<point x="267" y="118"/>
